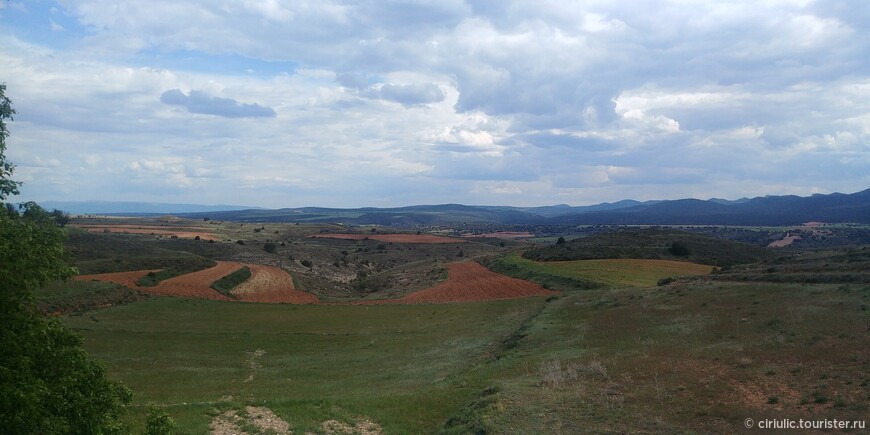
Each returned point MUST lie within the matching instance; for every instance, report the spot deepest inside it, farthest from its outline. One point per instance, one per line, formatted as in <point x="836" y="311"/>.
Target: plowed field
<point x="468" y="281"/>
<point x="395" y="238"/>
<point x="271" y="284"/>
<point x="266" y="284"/>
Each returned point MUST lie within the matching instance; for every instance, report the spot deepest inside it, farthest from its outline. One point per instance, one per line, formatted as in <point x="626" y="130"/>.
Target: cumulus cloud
<point x="200" y="102"/>
<point x="410" y="95"/>
<point x="571" y="102"/>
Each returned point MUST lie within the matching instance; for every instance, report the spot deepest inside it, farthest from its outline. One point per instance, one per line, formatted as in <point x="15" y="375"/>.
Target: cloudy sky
<point x="280" y="103"/>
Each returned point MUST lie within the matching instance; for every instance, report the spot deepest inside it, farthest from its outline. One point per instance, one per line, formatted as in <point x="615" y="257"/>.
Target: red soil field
<point x="271" y="284"/>
<point x="468" y="281"/>
<point x="181" y="232"/>
<point x="266" y="284"/>
<point x="396" y="238"/>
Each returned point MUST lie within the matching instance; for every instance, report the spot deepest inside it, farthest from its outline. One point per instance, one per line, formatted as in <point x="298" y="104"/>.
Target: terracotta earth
<point x="266" y="284"/>
<point x="271" y="284"/>
<point x="468" y="281"/>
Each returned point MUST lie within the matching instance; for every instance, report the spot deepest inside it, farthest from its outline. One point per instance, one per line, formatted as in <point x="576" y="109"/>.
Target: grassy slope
<point x="77" y="296"/>
<point x="608" y="272"/>
<point x="688" y="359"/>
<point x="105" y="253"/>
<point x="406" y="367"/>
<point x="651" y="243"/>
<point x="226" y="284"/>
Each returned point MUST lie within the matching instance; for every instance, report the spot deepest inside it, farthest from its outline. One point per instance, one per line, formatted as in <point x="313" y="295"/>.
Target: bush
<point x="665" y="281"/>
<point x="159" y="423"/>
<point x="679" y="249"/>
<point x="307" y="263"/>
<point x="229" y="282"/>
<point x="270" y="247"/>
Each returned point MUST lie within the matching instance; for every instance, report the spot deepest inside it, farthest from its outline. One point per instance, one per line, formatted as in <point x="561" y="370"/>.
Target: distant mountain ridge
<point x="767" y="210"/>
<point x="134" y="208"/>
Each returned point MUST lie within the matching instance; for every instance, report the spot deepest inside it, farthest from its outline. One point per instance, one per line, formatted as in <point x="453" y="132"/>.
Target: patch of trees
<point x="48" y="383"/>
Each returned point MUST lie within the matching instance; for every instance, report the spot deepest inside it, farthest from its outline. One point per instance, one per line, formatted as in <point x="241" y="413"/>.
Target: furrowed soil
<point x="271" y="284"/>
<point x="267" y="284"/>
<point x="394" y="238"/>
<point x="468" y="281"/>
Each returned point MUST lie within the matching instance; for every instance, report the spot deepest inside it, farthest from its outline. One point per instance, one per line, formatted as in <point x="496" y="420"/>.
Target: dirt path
<point x="271" y="284"/>
<point x="470" y="282"/>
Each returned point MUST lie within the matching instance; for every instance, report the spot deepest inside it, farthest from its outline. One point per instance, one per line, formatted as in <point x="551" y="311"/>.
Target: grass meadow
<point x="612" y="353"/>
<point x="404" y="367"/>
<point x="598" y="273"/>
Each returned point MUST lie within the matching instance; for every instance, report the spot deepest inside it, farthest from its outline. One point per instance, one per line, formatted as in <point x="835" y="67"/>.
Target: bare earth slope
<point x="271" y="284"/>
<point x="468" y="281"/>
<point x="267" y="284"/>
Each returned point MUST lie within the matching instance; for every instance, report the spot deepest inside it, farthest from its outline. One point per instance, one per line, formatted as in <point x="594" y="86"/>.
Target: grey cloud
<point x="200" y="102"/>
<point x="410" y="95"/>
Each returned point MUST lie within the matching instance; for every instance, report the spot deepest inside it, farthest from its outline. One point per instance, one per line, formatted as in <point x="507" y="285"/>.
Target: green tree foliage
<point x="159" y="423"/>
<point x="679" y="249"/>
<point x="560" y="241"/>
<point x="7" y="185"/>
<point x="60" y="217"/>
<point x="48" y="383"/>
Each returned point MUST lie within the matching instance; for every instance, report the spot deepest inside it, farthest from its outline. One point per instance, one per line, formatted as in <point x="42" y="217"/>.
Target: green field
<point x="685" y="358"/>
<point x="784" y="337"/>
<point x="404" y="367"/>
<point x="610" y="272"/>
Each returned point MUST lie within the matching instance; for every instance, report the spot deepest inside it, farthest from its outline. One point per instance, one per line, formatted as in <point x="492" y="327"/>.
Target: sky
<point x="277" y="103"/>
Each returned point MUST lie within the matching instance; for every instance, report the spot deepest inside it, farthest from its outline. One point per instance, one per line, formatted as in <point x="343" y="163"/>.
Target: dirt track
<point x="468" y="281"/>
<point x="395" y="238"/>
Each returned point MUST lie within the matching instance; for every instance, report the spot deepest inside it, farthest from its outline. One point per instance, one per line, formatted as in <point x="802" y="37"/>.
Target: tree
<point x="48" y="383"/>
<point x="560" y="241"/>
<point x="60" y="217"/>
<point x="679" y="249"/>
<point x="7" y="185"/>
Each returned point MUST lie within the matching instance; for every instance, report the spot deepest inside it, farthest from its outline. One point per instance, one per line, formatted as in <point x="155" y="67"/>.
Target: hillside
<point x="768" y="210"/>
<point x="652" y="243"/>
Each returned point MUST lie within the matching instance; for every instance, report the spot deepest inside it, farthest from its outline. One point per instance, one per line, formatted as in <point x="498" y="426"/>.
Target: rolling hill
<point x="767" y="210"/>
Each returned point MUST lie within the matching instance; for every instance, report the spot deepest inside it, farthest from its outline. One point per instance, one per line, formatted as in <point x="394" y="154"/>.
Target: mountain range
<point x="767" y="210"/>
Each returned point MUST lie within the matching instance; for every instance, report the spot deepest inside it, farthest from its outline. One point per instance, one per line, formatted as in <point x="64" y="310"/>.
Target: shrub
<point x="241" y="242"/>
<point x="307" y="263"/>
<point x="159" y="423"/>
<point x="270" y="247"/>
<point x="679" y="249"/>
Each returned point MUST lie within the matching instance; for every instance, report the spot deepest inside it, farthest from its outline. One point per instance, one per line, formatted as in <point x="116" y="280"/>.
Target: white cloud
<point x="534" y="103"/>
